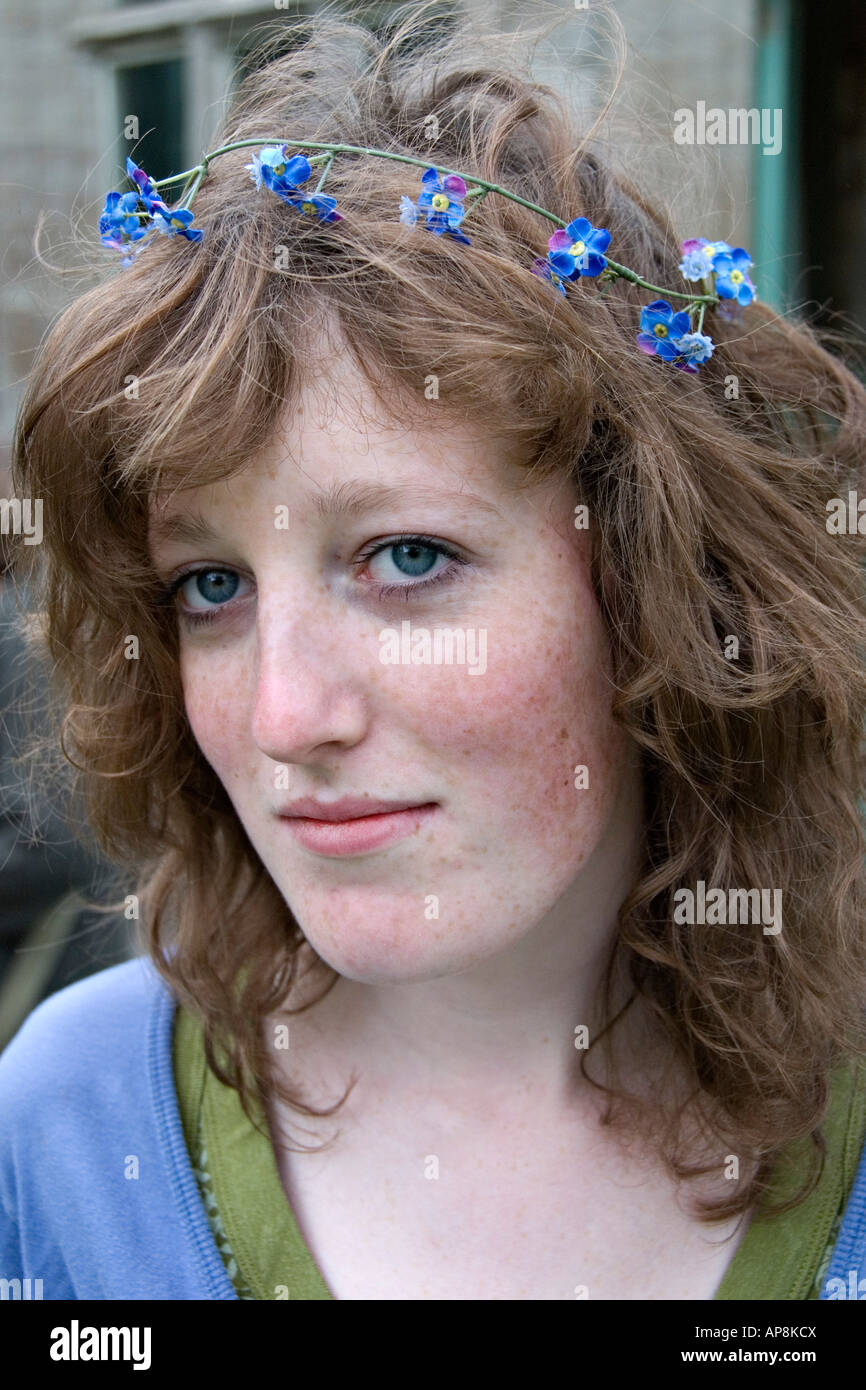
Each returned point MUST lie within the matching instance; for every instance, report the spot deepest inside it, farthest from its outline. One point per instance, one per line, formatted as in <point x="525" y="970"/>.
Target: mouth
<point x="335" y="831"/>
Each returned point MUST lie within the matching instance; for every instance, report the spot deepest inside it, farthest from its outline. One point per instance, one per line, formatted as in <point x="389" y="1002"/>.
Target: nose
<point x="309" y="696"/>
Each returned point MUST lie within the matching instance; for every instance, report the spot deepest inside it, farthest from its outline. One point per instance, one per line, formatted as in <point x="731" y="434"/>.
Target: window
<point x="151" y="96"/>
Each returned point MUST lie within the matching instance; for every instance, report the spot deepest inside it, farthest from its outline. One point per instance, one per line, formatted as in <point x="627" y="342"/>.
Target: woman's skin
<point x="462" y="1022"/>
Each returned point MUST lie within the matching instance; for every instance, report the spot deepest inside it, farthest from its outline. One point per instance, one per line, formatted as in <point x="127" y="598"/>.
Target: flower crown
<point x="575" y="251"/>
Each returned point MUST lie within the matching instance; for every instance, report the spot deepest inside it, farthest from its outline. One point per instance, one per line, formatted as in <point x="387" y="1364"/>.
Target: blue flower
<point x="442" y="202"/>
<point x="318" y="205"/>
<point x="697" y="263"/>
<point x="284" y="176"/>
<point x="175" y="222"/>
<point x="661" y="332"/>
<point x="576" y="249"/>
<point x="695" y="347"/>
<point x="732" y="282"/>
<point x="119" y="224"/>
<point x="130" y="217"/>
<point x="146" y="187"/>
<point x="273" y="168"/>
<point x="543" y="269"/>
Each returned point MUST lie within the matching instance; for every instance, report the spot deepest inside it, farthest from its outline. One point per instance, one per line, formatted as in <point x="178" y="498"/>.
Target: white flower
<point x="255" y="170"/>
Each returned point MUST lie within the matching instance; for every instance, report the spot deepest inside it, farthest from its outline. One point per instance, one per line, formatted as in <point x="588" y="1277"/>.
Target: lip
<point x="353" y="825"/>
<point x="347" y="808"/>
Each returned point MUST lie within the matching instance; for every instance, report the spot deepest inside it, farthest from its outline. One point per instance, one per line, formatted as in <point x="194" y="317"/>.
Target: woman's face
<point x="294" y="689"/>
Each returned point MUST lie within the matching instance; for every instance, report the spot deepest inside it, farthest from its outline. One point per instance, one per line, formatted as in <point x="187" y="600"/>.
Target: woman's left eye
<point x="408" y="563"/>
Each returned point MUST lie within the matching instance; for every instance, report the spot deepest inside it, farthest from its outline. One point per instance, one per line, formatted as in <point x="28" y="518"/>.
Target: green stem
<point x="328" y="150"/>
<point x="324" y="173"/>
<point x="480" y="193"/>
<point x="359" y="149"/>
<point x="636" y="279"/>
<point x="202" y="170"/>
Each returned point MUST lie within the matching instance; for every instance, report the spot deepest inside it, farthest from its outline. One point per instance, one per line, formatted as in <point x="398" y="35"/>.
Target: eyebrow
<point x="341" y="500"/>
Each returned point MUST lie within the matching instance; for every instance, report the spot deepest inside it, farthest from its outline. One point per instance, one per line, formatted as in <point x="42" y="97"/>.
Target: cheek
<point x="513" y="736"/>
<point x="215" y="710"/>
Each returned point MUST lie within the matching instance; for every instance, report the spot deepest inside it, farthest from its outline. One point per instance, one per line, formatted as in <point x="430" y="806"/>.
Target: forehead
<point x="343" y="442"/>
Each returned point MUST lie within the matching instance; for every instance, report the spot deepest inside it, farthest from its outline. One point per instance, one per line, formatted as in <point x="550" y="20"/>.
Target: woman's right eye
<point x="205" y="591"/>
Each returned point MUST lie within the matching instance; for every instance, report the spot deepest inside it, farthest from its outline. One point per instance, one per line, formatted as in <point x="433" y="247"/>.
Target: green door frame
<point x="777" y="235"/>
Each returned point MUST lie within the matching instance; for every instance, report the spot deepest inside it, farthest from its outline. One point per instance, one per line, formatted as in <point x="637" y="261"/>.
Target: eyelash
<point x="384" y="591"/>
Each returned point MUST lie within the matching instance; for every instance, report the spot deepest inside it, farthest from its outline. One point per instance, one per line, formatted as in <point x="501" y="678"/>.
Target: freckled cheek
<point x="216" y="713"/>
<point x="512" y="737"/>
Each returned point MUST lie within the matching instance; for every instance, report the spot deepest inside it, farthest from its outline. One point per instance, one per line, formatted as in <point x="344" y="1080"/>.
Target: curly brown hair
<point x="709" y="520"/>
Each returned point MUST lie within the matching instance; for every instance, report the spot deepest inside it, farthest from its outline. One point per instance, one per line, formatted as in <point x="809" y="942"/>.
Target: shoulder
<point x="97" y="1197"/>
<point x="87" y="1036"/>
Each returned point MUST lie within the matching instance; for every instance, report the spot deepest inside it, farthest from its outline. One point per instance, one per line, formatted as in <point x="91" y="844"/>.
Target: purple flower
<point x="146" y="187"/>
<point x="576" y="249"/>
<point x="661" y="331"/>
<point x="543" y="269"/>
<point x="442" y="202"/>
<point x="732" y="282"/>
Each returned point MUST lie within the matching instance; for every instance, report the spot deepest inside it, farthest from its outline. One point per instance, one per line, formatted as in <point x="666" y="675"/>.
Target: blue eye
<point x="210" y="588"/>
<point x="205" y="591"/>
<point x="215" y="586"/>
<point x="413" y="557"/>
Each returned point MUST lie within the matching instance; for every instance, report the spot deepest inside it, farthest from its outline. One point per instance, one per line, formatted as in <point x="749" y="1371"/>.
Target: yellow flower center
<point x="440" y="202"/>
<point x="736" y="276"/>
<point x="660" y="330"/>
<point x="309" y="207"/>
<point x="279" y="169"/>
<point x="578" y="248"/>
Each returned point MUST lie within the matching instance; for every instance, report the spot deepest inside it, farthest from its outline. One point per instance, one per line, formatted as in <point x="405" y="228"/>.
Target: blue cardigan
<point x="97" y="1196"/>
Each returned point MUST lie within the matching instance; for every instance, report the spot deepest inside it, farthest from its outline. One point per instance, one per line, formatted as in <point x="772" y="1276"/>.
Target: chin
<point x="378" y="940"/>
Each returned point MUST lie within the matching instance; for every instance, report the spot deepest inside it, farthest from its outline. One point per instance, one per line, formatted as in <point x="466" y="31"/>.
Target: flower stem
<point x="480" y="194"/>
<point x="324" y="173"/>
<point x="328" y="150"/>
<point x="198" y="174"/>
<point x="635" y="279"/>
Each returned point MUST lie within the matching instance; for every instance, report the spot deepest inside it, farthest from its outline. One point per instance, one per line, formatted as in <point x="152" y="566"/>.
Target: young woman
<point x="479" y="699"/>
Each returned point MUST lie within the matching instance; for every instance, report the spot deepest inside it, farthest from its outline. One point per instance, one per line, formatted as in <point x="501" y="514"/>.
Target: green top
<point x="266" y="1257"/>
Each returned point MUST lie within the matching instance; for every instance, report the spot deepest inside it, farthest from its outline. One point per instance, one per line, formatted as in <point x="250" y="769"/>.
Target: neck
<point x="511" y="1029"/>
